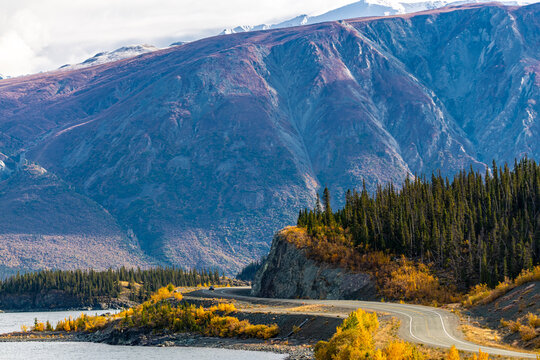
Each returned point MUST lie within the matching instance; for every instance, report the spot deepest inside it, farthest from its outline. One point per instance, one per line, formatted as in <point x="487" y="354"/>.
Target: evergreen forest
<point x="476" y="227"/>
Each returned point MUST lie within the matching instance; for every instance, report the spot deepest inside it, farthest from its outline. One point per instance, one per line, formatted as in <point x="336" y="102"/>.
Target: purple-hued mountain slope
<point x="202" y="151"/>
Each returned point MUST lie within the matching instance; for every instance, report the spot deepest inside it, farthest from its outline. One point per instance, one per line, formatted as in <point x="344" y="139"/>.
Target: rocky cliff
<point x="288" y="273"/>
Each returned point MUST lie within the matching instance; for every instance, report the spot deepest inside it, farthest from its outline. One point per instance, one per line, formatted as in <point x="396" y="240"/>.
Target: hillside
<point x="45" y="224"/>
<point x="516" y="314"/>
<point x="205" y="150"/>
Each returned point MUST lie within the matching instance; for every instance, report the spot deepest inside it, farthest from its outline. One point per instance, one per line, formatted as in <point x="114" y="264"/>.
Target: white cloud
<point x="38" y="35"/>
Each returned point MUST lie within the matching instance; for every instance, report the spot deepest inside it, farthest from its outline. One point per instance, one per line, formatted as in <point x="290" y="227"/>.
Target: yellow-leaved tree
<point x="453" y="354"/>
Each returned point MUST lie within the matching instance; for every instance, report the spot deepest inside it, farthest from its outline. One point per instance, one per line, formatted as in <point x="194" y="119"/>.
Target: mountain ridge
<point x="205" y="150"/>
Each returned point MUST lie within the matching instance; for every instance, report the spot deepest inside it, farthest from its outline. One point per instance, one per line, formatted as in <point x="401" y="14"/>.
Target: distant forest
<point x="89" y="286"/>
<point x="248" y="272"/>
<point x="478" y="228"/>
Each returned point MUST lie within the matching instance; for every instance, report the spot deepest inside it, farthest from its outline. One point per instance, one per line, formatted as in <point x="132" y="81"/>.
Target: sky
<point x="41" y="35"/>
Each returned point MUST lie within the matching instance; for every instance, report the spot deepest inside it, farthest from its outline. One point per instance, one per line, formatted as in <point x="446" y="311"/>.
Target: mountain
<point x="109" y="56"/>
<point x="364" y="8"/>
<point x="45" y="224"/>
<point x="201" y="152"/>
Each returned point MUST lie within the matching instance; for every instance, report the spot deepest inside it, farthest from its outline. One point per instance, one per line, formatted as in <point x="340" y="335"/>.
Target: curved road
<point x="420" y="324"/>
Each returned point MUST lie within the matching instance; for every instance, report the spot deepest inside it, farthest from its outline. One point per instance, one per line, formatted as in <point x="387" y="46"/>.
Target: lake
<point x="91" y="351"/>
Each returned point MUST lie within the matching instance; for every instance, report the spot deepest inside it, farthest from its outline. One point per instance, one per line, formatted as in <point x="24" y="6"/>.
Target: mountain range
<point x="196" y="154"/>
<point x="364" y="8"/>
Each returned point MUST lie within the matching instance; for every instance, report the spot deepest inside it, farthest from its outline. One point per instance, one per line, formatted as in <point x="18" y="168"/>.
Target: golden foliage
<point x="224" y="308"/>
<point x="527" y="332"/>
<point x="400" y="350"/>
<point x="526" y="326"/>
<point x="353" y="338"/>
<point x="413" y="282"/>
<point x="38" y="326"/>
<point x="533" y="320"/>
<point x="453" y="354"/>
<point x="230" y="327"/>
<point x="482" y="355"/>
<point x="160" y="313"/>
<point x="161" y="294"/>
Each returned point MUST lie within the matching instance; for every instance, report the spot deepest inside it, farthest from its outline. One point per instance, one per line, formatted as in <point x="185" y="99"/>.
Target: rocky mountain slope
<point x="203" y="151"/>
<point x="45" y="224"/>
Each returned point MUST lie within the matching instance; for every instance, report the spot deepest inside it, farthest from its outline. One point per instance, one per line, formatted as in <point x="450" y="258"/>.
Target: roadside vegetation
<point x="481" y="294"/>
<point x="528" y="327"/>
<point x="354" y="340"/>
<point x="165" y="311"/>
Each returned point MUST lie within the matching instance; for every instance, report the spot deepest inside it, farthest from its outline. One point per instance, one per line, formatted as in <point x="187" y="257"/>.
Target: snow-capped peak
<point x="365" y="8"/>
<point x="108" y="56"/>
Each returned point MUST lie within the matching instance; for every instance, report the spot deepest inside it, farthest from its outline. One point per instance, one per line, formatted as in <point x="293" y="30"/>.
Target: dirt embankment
<point x="511" y="315"/>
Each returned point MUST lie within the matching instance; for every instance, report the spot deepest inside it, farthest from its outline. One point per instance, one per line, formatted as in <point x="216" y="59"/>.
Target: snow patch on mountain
<point x="178" y="43"/>
<point x="109" y="56"/>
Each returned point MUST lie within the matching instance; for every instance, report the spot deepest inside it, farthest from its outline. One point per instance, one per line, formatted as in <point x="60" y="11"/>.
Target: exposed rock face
<point x="205" y="150"/>
<point x="288" y="273"/>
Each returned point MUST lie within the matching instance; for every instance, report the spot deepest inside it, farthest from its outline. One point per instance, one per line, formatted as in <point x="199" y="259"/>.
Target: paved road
<point x="419" y="324"/>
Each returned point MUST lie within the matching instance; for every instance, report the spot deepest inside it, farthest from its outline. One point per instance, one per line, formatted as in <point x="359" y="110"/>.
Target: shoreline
<point x="300" y="351"/>
<point x="38" y="310"/>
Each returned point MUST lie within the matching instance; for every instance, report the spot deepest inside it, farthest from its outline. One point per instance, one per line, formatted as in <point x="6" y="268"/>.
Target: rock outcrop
<point x="288" y="273"/>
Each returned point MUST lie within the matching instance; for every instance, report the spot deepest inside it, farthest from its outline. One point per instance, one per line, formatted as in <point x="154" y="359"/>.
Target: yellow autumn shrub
<point x="401" y="350"/>
<point x="38" y="326"/>
<point x="354" y="340"/>
<point x="533" y="320"/>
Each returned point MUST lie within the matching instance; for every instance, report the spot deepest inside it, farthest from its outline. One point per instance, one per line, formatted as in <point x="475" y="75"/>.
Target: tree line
<point x="89" y="285"/>
<point x="478" y="228"/>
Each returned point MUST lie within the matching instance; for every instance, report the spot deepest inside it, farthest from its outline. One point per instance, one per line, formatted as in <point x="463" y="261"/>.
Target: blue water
<point x="10" y="322"/>
<point x="91" y="351"/>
